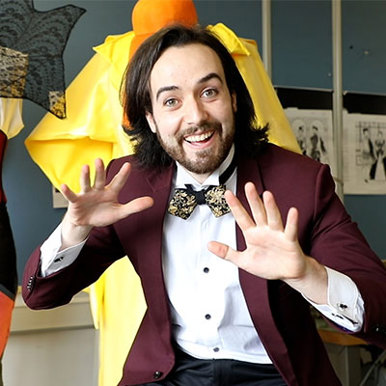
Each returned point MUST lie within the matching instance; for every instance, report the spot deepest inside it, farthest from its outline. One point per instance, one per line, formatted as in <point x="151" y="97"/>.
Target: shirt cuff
<point x="345" y="304"/>
<point x="51" y="260"/>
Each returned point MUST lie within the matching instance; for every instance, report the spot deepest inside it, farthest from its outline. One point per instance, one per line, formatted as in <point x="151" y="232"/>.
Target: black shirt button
<point x="157" y="374"/>
<point x="207" y="316"/>
<point x="216" y="349"/>
<point x="206" y="269"/>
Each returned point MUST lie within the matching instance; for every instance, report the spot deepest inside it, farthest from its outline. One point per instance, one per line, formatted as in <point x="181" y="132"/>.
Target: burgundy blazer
<point x="280" y="314"/>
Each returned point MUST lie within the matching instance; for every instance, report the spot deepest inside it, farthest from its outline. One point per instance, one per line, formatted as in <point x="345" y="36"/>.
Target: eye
<point x="171" y="102"/>
<point x="209" y="93"/>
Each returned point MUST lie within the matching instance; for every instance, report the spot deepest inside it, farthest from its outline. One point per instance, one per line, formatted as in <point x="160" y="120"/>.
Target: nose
<point x="194" y="111"/>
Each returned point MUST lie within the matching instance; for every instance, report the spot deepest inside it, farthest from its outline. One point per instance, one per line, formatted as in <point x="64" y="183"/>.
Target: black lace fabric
<point x="31" y="52"/>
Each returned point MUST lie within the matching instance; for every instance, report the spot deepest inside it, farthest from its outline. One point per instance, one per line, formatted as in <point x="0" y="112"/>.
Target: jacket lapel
<point x="255" y="289"/>
<point x="149" y="252"/>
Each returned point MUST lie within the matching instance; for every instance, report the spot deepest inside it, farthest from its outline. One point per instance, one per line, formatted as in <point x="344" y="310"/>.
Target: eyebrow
<point x="202" y="80"/>
<point x="163" y="89"/>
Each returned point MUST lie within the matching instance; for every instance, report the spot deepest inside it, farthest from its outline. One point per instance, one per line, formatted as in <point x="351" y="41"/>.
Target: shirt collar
<point x="183" y="177"/>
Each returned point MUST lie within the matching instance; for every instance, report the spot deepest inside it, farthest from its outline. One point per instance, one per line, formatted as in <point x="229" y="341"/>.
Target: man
<point x="93" y="128"/>
<point x="209" y="322"/>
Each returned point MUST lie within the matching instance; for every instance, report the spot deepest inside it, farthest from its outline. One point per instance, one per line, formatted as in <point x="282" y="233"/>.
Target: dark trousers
<point x="189" y="371"/>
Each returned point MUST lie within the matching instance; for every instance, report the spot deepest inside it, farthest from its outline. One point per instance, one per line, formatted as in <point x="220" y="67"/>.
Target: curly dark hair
<point x="135" y="95"/>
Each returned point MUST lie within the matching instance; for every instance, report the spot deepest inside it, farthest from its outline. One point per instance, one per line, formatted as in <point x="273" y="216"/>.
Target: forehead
<point x="186" y="63"/>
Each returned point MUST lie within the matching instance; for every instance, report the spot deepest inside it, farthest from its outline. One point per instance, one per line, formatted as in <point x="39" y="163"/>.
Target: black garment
<point x="8" y="276"/>
<point x="189" y="371"/>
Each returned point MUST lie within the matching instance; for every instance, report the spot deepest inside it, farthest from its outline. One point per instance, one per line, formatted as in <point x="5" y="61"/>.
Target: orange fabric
<point x="6" y="307"/>
<point x="149" y="16"/>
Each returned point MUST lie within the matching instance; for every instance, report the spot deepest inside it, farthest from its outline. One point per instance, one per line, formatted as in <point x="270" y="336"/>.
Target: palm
<point x="96" y="208"/>
<point x="98" y="205"/>
<point x="272" y="250"/>
<point x="270" y="254"/>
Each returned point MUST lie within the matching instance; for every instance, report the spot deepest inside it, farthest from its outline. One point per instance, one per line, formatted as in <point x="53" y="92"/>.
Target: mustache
<point x="202" y="126"/>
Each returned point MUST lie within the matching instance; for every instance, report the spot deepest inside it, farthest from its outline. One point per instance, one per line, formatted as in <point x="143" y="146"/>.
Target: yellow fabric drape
<point x="118" y="306"/>
<point x="93" y="125"/>
<point x="93" y="129"/>
<point x="267" y="105"/>
<point x="11" y="121"/>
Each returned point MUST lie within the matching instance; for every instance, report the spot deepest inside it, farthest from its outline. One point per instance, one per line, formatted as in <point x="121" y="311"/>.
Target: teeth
<point x="198" y="138"/>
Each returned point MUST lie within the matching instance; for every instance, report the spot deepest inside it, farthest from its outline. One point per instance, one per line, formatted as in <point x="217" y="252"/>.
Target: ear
<point x="150" y="121"/>
<point x="234" y="102"/>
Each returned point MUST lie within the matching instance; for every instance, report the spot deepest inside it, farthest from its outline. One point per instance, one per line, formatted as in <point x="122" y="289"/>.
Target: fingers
<point x="121" y="177"/>
<point x="68" y="194"/>
<point x="225" y="252"/>
<point x="241" y="216"/>
<point x="218" y="249"/>
<point x="99" y="180"/>
<point x="256" y="205"/>
<point x="274" y="220"/>
<point x="291" y="227"/>
<point x="137" y="205"/>
<point x="100" y="175"/>
<point x="85" y="179"/>
<point x="265" y="212"/>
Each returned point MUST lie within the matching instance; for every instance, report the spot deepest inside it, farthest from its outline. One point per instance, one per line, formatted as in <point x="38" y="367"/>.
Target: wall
<point x="54" y="347"/>
<point x="301" y="57"/>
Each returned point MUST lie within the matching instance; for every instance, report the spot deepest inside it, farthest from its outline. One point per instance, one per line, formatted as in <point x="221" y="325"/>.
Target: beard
<point x="206" y="160"/>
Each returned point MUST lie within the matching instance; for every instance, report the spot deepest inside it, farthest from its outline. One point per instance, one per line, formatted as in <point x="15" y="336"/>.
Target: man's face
<point x="193" y="111"/>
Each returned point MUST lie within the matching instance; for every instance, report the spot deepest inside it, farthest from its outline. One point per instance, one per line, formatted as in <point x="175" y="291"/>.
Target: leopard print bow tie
<point x="184" y="201"/>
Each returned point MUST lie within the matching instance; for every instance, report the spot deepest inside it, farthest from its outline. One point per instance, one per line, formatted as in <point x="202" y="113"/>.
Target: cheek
<point x="168" y="125"/>
<point x="227" y="116"/>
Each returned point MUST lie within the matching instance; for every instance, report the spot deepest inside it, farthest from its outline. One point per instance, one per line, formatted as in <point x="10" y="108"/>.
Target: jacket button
<point x="30" y="283"/>
<point x="157" y="374"/>
<point x="380" y="329"/>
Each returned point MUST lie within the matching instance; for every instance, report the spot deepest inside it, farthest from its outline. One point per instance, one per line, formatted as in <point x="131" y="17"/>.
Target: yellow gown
<point x="93" y="129"/>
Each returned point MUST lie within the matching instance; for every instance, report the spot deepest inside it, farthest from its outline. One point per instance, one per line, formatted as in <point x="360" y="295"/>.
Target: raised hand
<point x="272" y="249"/>
<point x="97" y="204"/>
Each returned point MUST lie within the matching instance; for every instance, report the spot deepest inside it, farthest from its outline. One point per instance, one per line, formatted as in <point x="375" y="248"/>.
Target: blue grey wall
<point x="301" y="57"/>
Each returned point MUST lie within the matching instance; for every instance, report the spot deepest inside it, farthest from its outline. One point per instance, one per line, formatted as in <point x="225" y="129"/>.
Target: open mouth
<point x="199" y="138"/>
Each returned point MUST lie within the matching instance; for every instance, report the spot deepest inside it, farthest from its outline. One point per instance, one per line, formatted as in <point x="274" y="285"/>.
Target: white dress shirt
<point x="209" y="314"/>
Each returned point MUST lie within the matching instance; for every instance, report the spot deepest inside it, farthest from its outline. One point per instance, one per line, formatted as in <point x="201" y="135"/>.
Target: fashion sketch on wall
<point x="313" y="131"/>
<point x="364" y="154"/>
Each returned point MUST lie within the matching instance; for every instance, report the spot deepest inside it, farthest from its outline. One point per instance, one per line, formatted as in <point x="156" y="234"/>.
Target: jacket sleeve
<point x="102" y="248"/>
<point x="100" y="251"/>
<point x="337" y="242"/>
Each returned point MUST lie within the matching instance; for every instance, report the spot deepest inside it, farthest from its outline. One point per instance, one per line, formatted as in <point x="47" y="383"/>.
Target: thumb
<point x="223" y="251"/>
<point x="137" y="205"/>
